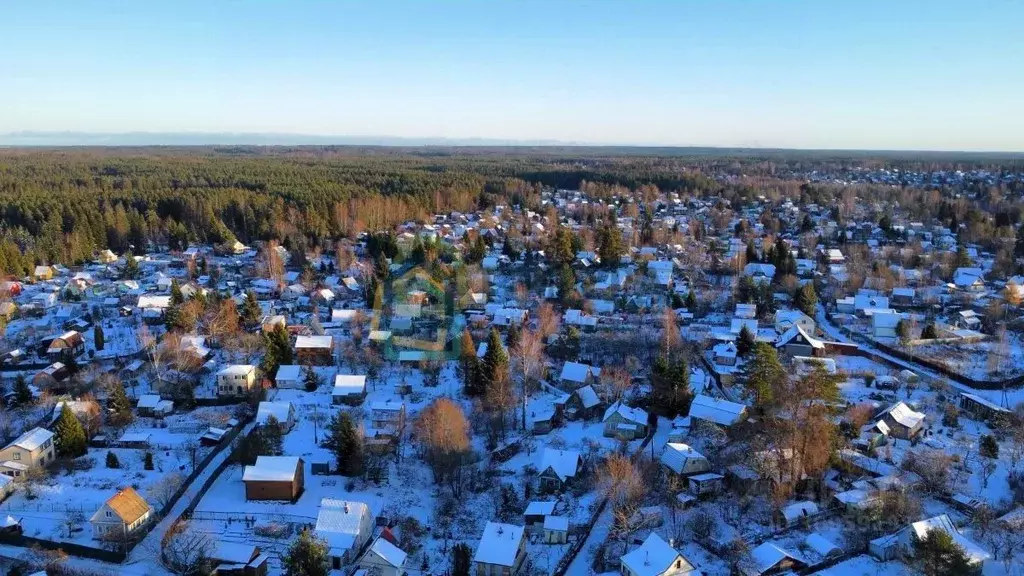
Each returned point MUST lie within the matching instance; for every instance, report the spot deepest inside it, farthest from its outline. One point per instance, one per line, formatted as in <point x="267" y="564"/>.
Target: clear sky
<point x="929" y="74"/>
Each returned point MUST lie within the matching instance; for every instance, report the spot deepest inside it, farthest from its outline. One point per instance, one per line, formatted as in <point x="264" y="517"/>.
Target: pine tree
<point x="273" y="435"/>
<point x="806" y="299"/>
<point x="494" y="367"/>
<point x="69" y="437"/>
<point x="251" y="311"/>
<point x="461" y="555"/>
<point x="177" y="298"/>
<point x="746" y="342"/>
<point x="470" y="365"/>
<point x="751" y="254"/>
<point x="937" y="554"/>
<point x="670" y="384"/>
<point x="610" y="247"/>
<point x="278" y="351"/>
<point x="97" y="337"/>
<point x="903" y="331"/>
<point x="118" y="405"/>
<point x="691" y="300"/>
<point x="112" y="461"/>
<point x="512" y="337"/>
<point x="764" y="374"/>
<point x="347" y="444"/>
<point x="22" y="392"/>
<point x="989" y="447"/>
<point x="131" y="267"/>
<point x="310" y="379"/>
<point x="307" y="556"/>
<point x="929" y="332"/>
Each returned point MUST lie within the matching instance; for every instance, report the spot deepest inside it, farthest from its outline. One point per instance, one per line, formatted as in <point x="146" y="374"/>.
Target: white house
<point x="289" y="376"/>
<point x="121" y="516"/>
<point x="345" y="526"/>
<point x="501" y="552"/>
<point x="655" y="558"/>
<point x="682" y="460"/>
<point x="236" y="380"/>
<point x="383" y="558"/>
<point x="284" y="412"/>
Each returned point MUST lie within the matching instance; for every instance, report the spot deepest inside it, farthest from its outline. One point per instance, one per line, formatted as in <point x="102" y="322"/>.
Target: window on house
<point x="110" y="514"/>
<point x="17" y="455"/>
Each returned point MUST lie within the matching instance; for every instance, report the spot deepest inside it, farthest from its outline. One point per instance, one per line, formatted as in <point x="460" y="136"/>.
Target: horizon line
<point x="82" y="139"/>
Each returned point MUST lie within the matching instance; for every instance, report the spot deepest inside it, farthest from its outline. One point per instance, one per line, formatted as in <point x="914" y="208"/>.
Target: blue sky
<point x="939" y="74"/>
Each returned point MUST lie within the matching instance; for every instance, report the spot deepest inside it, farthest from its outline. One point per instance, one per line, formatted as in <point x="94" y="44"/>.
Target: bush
<point x="147" y="461"/>
<point x="988" y="447"/>
<point x="112" y="461"/>
<point x="950" y="416"/>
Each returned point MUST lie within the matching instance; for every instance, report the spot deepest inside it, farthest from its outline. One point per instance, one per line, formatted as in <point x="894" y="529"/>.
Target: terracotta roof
<point x="128" y="505"/>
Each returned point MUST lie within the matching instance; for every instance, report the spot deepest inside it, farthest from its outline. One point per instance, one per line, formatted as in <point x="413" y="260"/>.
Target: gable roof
<point x="654" y="557"/>
<point x="128" y="505"/>
<point x="676" y="455"/>
<point x="721" y="412"/>
<point x="390" y="553"/>
<point x="565" y="463"/>
<point x="499" y="544"/>
<point x="903" y="415"/>
<point x="795" y="332"/>
<point x="339" y="522"/>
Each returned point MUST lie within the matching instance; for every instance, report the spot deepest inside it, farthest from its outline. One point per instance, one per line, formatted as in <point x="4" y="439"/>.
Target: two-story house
<point x="501" y="552"/>
<point x="236" y="380"/>
<point x="33" y="449"/>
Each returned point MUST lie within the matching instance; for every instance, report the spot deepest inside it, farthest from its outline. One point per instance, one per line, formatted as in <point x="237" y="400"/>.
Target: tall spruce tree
<point x="346" y="443"/>
<point x="494" y="367"/>
<point x="764" y="374"/>
<point x="273" y="436"/>
<point x="251" y="311"/>
<point x="118" y="405"/>
<point x="68" y="434"/>
<point x="22" y="392"/>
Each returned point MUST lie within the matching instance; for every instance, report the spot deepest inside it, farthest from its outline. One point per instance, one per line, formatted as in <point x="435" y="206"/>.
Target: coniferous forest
<point x="64" y="205"/>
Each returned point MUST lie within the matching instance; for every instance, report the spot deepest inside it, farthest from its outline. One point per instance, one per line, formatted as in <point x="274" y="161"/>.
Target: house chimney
<point x="346" y="507"/>
<point x="647" y="558"/>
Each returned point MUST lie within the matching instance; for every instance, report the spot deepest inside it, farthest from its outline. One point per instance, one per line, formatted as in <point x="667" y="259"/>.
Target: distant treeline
<point x="64" y="204"/>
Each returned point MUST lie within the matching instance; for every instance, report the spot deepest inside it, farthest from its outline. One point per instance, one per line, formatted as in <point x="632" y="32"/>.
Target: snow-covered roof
<point x="588" y="396"/>
<point x="279" y="410"/>
<point x="821" y="545"/>
<point x="904" y="415"/>
<point x="766" y="556"/>
<point x="654" y="557"/>
<point x="32" y="439"/>
<point x="499" y="544"/>
<point x="798" y="330"/>
<point x="391" y="554"/>
<point x="722" y="412"/>
<point x="339" y="522"/>
<point x="540" y="508"/>
<point x="942" y="522"/>
<point x="272" y="469"/>
<point x="565" y="463"/>
<point x="345" y="384"/>
<point x="677" y="454"/>
<point x="575" y="372"/>
<point x="556" y="523"/>
<point x="314" y="342"/>
<point x="288" y="373"/>
<point x="236" y="370"/>
<point x="797" y="510"/>
<point x="635" y="415"/>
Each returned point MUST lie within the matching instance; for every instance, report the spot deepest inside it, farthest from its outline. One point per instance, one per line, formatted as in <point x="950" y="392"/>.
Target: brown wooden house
<point x="274" y="478"/>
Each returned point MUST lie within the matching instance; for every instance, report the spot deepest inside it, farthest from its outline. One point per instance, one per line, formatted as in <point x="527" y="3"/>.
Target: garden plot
<point x="58" y="507"/>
